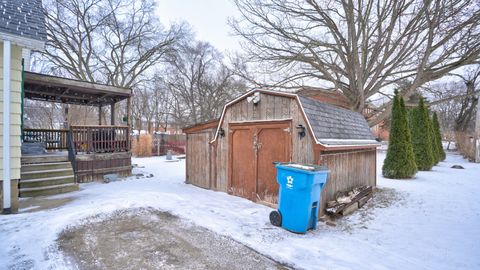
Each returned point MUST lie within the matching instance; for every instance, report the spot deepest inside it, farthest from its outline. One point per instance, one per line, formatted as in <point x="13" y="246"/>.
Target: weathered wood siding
<point x="92" y="167"/>
<point x="348" y="169"/>
<point x="198" y="157"/>
<point x="208" y="164"/>
<point x="270" y="108"/>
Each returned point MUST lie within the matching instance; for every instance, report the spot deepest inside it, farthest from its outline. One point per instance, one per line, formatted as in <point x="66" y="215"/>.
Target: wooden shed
<point x="235" y="154"/>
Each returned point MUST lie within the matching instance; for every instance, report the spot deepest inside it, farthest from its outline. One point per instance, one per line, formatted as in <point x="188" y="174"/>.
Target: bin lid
<point x="304" y="167"/>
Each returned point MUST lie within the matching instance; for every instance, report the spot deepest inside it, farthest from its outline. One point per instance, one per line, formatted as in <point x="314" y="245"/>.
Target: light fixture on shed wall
<point x="301" y="131"/>
<point x="255" y="98"/>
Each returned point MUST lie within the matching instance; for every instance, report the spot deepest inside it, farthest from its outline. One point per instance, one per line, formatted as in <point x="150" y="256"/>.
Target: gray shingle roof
<point x="23" y="18"/>
<point x="333" y="125"/>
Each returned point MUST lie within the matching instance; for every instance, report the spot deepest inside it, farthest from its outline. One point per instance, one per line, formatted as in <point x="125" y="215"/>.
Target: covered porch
<point x="92" y="150"/>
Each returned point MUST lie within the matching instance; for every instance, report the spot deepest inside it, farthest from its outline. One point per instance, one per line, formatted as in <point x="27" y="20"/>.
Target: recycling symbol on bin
<point x="289" y="182"/>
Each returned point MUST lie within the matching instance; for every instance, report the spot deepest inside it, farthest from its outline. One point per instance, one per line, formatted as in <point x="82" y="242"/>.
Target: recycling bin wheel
<point x="276" y="218"/>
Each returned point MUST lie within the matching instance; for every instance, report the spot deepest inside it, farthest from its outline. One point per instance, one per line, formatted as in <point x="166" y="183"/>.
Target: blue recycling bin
<point x="299" y="196"/>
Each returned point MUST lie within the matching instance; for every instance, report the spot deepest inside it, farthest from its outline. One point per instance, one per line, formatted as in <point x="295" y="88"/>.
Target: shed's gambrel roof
<point x="333" y="125"/>
<point x="23" y="18"/>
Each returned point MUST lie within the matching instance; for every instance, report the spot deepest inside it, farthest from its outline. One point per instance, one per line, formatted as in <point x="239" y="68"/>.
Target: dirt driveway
<point x="150" y="239"/>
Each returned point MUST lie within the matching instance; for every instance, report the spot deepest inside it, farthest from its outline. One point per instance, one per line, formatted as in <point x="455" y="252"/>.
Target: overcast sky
<point x="208" y="19"/>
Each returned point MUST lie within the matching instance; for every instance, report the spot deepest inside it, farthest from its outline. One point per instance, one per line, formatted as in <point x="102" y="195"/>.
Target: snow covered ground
<point x="434" y="222"/>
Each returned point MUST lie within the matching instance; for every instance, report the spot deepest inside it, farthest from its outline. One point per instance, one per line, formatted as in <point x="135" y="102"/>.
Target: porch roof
<point x="62" y="90"/>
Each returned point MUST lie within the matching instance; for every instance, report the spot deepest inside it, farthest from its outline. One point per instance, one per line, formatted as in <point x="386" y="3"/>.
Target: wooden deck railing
<point x="54" y="139"/>
<point x="86" y="139"/>
<point x="101" y="139"/>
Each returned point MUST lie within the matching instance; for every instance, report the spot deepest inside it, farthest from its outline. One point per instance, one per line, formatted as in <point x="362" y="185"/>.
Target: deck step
<point x="48" y="190"/>
<point x="47" y="158"/>
<point x="50" y="181"/>
<point x="46" y="173"/>
<point x="45" y="166"/>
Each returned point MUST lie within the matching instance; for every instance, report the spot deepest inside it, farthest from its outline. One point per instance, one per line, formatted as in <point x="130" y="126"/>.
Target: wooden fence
<point x="164" y="142"/>
<point x="145" y="145"/>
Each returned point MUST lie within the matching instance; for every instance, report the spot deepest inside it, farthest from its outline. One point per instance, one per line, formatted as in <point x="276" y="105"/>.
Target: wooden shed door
<point x="273" y="146"/>
<point x="254" y="149"/>
<point x="242" y="181"/>
<point x="198" y="155"/>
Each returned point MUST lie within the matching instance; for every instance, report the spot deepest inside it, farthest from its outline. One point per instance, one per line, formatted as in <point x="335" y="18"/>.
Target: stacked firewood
<point x="347" y="202"/>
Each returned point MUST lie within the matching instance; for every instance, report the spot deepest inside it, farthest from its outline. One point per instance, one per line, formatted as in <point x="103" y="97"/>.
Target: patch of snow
<point x="26" y="209"/>
<point x="302" y="167"/>
<point x="435" y="224"/>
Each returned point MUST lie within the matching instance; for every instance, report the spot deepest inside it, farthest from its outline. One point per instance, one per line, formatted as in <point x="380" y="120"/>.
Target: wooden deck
<point x="92" y="167"/>
<point x="92" y="150"/>
<point x="89" y="167"/>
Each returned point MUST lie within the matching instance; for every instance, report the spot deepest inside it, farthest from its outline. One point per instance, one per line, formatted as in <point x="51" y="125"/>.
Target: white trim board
<point x="24" y="42"/>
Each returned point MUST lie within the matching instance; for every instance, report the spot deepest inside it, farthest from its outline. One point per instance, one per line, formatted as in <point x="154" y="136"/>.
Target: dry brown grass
<point x="142" y="145"/>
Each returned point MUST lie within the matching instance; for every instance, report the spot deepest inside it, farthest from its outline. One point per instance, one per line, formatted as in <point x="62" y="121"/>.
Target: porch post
<point x="112" y="114"/>
<point x="100" y="115"/>
<point x="66" y="122"/>
<point x="129" y="121"/>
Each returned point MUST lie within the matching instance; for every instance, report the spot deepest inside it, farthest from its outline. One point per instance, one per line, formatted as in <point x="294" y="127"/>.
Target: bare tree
<point x="142" y="111"/>
<point x="360" y="47"/>
<point x="152" y="105"/>
<point x="40" y="114"/>
<point x="108" y="41"/>
<point x="200" y="83"/>
<point x="50" y="115"/>
<point x="163" y="103"/>
<point x="116" y="42"/>
<point x="456" y="100"/>
<point x="456" y="104"/>
<point x="466" y="114"/>
<point x="448" y="110"/>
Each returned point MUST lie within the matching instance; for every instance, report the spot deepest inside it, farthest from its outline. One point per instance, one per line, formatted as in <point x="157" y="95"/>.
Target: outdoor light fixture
<point x="255" y="98"/>
<point x="221" y="132"/>
<point x="301" y="131"/>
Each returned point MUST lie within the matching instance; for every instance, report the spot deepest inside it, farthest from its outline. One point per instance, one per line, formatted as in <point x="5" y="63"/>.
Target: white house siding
<point x="15" y="109"/>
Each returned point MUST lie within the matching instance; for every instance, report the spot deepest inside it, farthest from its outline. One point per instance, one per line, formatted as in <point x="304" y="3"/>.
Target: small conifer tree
<point x="405" y="114"/>
<point x="435" y="151"/>
<point x="400" y="160"/>
<point x="438" y="138"/>
<point x="421" y="137"/>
